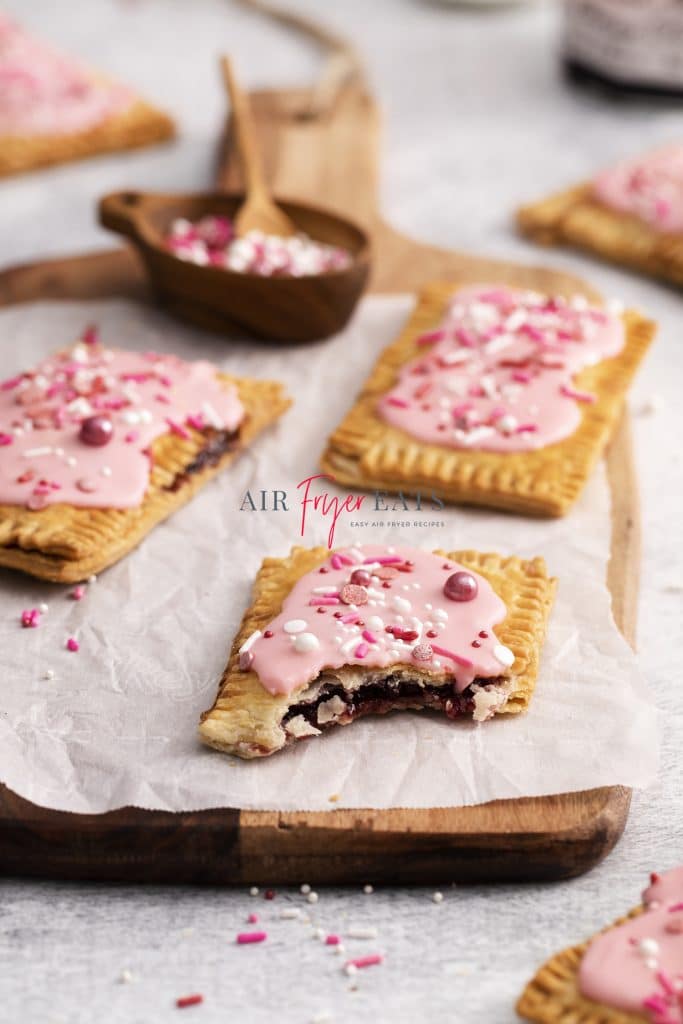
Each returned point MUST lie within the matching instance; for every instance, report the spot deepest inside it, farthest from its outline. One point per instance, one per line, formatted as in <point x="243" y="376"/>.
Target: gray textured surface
<point x="477" y="118"/>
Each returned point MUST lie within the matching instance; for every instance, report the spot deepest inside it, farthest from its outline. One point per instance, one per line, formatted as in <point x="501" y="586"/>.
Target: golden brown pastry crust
<point x="247" y="720"/>
<point x="65" y="543"/>
<point x="575" y="217"/>
<point x="366" y="452"/>
<point x="553" y="997"/>
<point x="141" y="124"/>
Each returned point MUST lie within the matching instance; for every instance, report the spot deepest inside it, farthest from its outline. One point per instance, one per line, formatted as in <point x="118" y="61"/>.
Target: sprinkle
<point x="369" y="636"/>
<point x="30" y="618"/>
<point x="365" y="961"/>
<point x="312" y="897"/>
<point x="368" y="890"/>
<point x="323" y="601"/>
<point x="34" y="453"/>
<point x="290" y="913"/>
<point x="72" y="644"/>
<point x="437" y="897"/>
<point x="247" y="938"/>
<point x="430" y="337"/>
<point x="269" y="894"/>
<point x="131" y="436"/>
<point x="5" y="439"/>
<point x="253" y="891"/>
<point x="126" y="976"/>
<point x="306" y="642"/>
<point x="504" y="655"/>
<point x="579" y="396"/>
<point x="293" y="626"/>
<point x="361" y="651"/>
<point x="78" y="593"/>
<point x="349" y="618"/>
<point x="252" y="919"/>
<point x="92" y="579"/>
<point x="648" y="947"/>
<point x="445" y="653"/>
<point x="184" y="1001"/>
<point x="318" y="933"/>
<point x="177" y="429"/>
<point x="350" y="969"/>
<point x="250" y="641"/>
<point x="322" y="1017"/>
<point x="332" y="940"/>
<point x="212" y="416"/>
<point x="362" y="933"/>
<point x="49" y="673"/>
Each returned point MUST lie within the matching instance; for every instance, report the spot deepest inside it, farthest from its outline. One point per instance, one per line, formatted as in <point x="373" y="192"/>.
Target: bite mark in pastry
<point x="97" y="445"/>
<point x="628" y="974"/>
<point x="630" y="213"/>
<point x="492" y="396"/>
<point x="331" y="637"/>
<point x="52" y="109"/>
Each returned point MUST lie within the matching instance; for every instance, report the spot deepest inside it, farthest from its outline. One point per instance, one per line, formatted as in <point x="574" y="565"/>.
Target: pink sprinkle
<point x="252" y="919"/>
<point x="532" y="332"/>
<point x="526" y="428"/>
<point x="131" y="436"/>
<point x="30" y="618"/>
<point x="675" y="907"/>
<point x="138" y="377"/>
<point x="445" y="653"/>
<point x="361" y="650"/>
<point x="521" y="376"/>
<point x="666" y="983"/>
<point x="5" y="439"/>
<point x="323" y="601"/>
<point x="580" y="396"/>
<point x="655" y="1003"/>
<point x="497" y="413"/>
<point x="176" y="428"/>
<point x="11" y="382"/>
<point x="370" y="637"/>
<point x="196" y="421"/>
<point x="366" y="961"/>
<point x="332" y="940"/>
<point x="77" y="594"/>
<point x="399" y="402"/>
<point x="466" y="337"/>
<point x="336" y="562"/>
<point x="350" y="618"/>
<point x="164" y="399"/>
<point x="245" y="938"/>
<point x="461" y="410"/>
<point x="430" y="337"/>
<point x="91" y="335"/>
<point x="166" y="381"/>
<point x="72" y="644"/>
<point x="383" y="560"/>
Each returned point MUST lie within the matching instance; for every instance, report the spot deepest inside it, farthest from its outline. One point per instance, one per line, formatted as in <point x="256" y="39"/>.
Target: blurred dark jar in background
<point x="630" y="46"/>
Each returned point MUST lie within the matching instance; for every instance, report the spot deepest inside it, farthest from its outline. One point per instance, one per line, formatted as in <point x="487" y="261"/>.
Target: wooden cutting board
<point x="331" y="158"/>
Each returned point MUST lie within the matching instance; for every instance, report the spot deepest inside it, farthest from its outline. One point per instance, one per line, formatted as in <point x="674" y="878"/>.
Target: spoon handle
<point x="246" y="136"/>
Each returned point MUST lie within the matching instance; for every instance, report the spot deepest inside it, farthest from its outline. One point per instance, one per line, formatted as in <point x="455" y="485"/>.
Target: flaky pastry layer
<point x="247" y="720"/>
<point x="367" y="452"/>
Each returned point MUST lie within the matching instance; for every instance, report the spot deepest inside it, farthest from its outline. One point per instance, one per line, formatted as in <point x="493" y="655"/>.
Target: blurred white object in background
<point x="633" y="45"/>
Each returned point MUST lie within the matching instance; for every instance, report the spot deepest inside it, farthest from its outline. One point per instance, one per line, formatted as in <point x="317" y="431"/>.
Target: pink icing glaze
<point x="43" y="91"/>
<point x="413" y="602"/>
<point x="41" y="411"/>
<point x="649" y="186"/>
<point x="497" y="375"/>
<point x="638" y="966"/>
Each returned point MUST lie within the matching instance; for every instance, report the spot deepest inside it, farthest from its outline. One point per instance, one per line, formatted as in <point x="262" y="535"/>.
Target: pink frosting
<point x="498" y="371"/>
<point x="638" y="966"/>
<point x="649" y="187"/>
<point x="43" y="459"/>
<point x="43" y="91"/>
<point x="317" y="629"/>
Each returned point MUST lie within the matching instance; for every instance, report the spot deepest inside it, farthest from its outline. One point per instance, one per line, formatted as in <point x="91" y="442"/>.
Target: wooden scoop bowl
<point x="294" y="309"/>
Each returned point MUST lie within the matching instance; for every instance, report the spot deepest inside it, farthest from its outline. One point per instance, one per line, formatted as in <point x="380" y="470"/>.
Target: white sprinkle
<point x="250" y="641"/>
<point x="322" y="1017"/>
<point x="651" y="405"/>
<point x="131" y="417"/>
<point x="318" y="933"/>
<point x="43" y="608"/>
<point x="106" y="471"/>
<point x="304" y="643"/>
<point x="401" y="604"/>
<point x="374" y="622"/>
<point x="211" y="415"/>
<point x="368" y="890"/>
<point x="350" y="969"/>
<point x="92" y="579"/>
<point x="71" y="460"/>
<point x="290" y="913"/>
<point x="31" y="453"/>
<point x="362" y="933"/>
<point x="125" y="976"/>
<point x="339" y="949"/>
<point x="652" y="963"/>
<point x="59" y="452"/>
<point x="437" y="897"/>
<point x="305" y="889"/>
<point x="253" y="891"/>
<point x="648" y="947"/>
<point x="504" y="655"/>
<point x="312" y="897"/>
<point x="441" y="614"/>
<point x="615" y="307"/>
<point x="145" y="416"/>
<point x="295" y="626"/>
<point x="187" y="933"/>
<point x="49" y="673"/>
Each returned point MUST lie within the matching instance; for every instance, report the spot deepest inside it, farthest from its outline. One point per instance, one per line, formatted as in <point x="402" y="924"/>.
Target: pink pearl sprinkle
<point x="77" y="594"/>
<point x="245" y="938"/>
<point x="5" y="439"/>
<point x="369" y="636"/>
<point x="361" y="650"/>
<point x="252" y="919"/>
<point x="72" y="644"/>
<point x="131" y="436"/>
<point x="366" y="961"/>
<point x="332" y="940"/>
<point x="30" y="618"/>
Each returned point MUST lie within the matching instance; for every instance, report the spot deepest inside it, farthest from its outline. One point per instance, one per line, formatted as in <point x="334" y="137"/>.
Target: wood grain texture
<point x="333" y="157"/>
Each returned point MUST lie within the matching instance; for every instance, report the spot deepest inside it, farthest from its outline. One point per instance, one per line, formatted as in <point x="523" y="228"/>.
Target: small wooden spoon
<point x="258" y="212"/>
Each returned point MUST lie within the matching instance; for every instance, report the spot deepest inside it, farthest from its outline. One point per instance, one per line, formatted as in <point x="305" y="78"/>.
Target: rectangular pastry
<point x="631" y="213"/>
<point x="98" y="445"/>
<point x="333" y="636"/>
<point x="492" y="396"/>
<point x="52" y="109"/>
<point x="631" y="973"/>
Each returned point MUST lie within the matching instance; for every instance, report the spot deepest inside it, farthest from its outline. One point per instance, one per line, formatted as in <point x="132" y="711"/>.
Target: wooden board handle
<point x="120" y="211"/>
